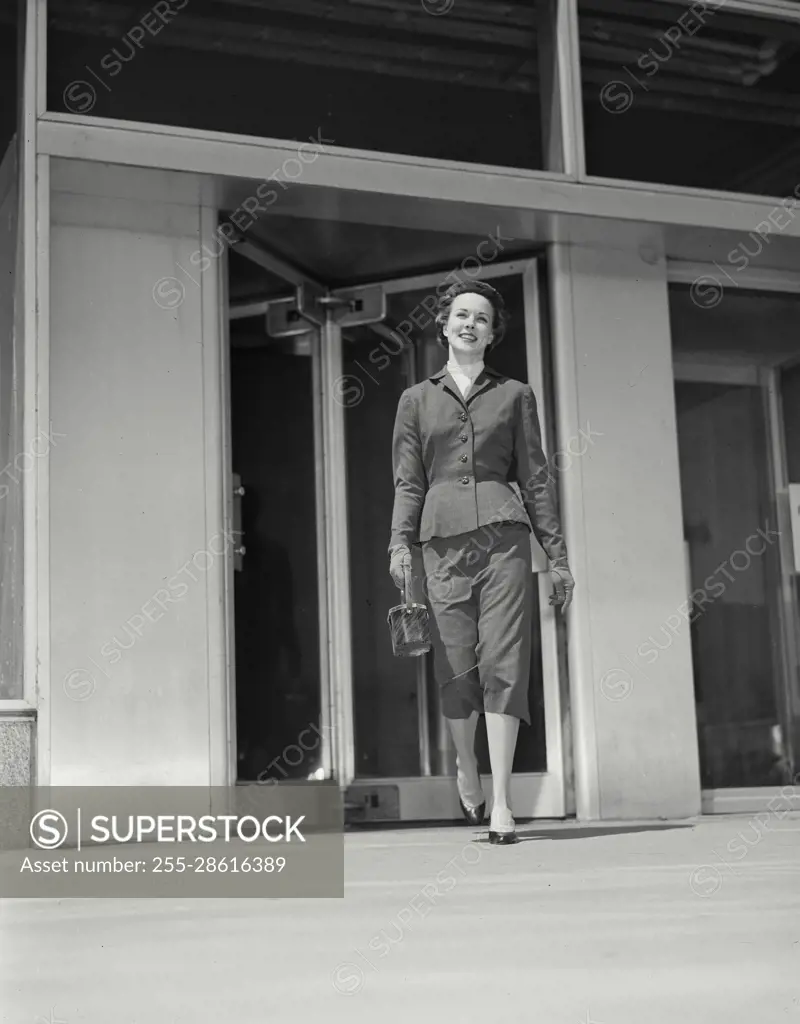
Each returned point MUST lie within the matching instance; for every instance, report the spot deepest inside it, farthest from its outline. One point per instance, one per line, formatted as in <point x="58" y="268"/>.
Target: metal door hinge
<point x="239" y="492"/>
<point x="348" y="307"/>
<point x="284" y="319"/>
<point x="312" y="307"/>
<point x="364" y="305"/>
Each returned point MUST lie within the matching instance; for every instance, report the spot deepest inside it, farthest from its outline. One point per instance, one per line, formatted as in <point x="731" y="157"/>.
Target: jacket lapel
<point x="447" y="383"/>
<point x="482" y="381"/>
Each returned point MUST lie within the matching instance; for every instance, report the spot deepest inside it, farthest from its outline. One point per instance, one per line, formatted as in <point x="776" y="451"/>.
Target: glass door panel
<point x="279" y="711"/>
<point x="735" y="582"/>
<point x="737" y="399"/>
<point x="789" y="389"/>
<point x="384" y="687"/>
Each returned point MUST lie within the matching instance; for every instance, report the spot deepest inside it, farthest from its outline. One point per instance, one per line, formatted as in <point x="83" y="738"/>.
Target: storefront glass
<point x="726" y="359"/>
<point x="9" y="111"/>
<point x="690" y="95"/>
<point x="431" y="79"/>
<point x="15" y="457"/>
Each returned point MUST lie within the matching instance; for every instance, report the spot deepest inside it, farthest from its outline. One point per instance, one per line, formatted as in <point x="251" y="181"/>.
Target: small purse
<point x="409" y="628"/>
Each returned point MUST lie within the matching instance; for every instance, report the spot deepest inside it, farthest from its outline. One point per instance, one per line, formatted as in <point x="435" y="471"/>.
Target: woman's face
<point x="469" y="324"/>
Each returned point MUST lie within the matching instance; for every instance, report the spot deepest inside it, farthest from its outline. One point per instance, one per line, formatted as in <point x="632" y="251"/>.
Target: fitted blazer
<point x="455" y="459"/>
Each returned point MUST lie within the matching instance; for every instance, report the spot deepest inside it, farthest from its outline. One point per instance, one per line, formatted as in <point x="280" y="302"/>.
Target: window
<point x="692" y="96"/>
<point x="14" y="458"/>
<point x="428" y="78"/>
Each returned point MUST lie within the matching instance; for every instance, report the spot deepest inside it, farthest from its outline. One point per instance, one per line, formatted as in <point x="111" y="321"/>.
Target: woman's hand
<point x="399" y="562"/>
<point x="563" y="584"/>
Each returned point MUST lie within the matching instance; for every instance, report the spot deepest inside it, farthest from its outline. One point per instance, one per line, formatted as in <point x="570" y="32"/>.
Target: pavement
<point x="634" y="923"/>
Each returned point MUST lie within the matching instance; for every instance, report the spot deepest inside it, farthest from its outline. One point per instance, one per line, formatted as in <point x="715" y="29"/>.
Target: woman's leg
<point x="469" y="781"/>
<point x="501" y="733"/>
<point x="504" y="658"/>
<point x="454" y="636"/>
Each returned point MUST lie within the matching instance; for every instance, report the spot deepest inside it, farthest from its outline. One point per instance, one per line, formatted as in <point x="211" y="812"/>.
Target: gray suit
<point x="454" y="461"/>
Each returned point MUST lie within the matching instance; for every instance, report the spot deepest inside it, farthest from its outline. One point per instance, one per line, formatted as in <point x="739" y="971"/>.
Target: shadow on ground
<point x="588" y="832"/>
<point x="526" y="834"/>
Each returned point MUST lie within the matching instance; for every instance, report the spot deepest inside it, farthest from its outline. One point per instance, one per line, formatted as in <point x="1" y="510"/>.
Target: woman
<point x="460" y="438"/>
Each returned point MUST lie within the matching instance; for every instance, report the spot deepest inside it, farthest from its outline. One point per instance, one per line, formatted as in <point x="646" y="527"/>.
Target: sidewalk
<point x="686" y="923"/>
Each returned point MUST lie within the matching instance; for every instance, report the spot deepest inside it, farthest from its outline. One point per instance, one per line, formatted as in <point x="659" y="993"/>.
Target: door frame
<point x="328" y="436"/>
<point x="336" y="662"/>
<point x="535" y="794"/>
<point x="423" y="797"/>
<point x="735" y="371"/>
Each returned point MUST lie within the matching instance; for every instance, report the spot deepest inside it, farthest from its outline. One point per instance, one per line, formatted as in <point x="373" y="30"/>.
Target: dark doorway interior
<point x="275" y="588"/>
<point x="9" y="43"/>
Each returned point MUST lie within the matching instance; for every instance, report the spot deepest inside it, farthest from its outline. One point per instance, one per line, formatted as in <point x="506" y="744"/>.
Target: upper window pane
<point x="14" y="449"/>
<point x="690" y="95"/>
<point x="450" y="79"/>
<point x="9" y="108"/>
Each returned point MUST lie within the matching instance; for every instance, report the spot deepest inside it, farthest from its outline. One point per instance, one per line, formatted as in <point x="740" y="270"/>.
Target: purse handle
<point x="407" y="587"/>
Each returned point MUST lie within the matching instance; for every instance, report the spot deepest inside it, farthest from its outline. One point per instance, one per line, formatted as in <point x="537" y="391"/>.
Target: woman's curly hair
<point x="447" y="298"/>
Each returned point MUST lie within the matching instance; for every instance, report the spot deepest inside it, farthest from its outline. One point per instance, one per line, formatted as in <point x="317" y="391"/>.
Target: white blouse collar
<point x="471" y="372"/>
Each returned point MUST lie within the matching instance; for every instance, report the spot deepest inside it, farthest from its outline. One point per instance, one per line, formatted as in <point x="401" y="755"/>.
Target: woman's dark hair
<point x="447" y="298"/>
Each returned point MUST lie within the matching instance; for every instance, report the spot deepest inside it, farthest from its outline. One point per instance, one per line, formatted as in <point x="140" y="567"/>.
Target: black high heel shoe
<point x="474" y="815"/>
<point x="505" y="838"/>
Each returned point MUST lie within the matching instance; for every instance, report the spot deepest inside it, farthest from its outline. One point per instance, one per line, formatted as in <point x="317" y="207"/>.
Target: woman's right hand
<point x="399" y="562"/>
<point x="563" y="586"/>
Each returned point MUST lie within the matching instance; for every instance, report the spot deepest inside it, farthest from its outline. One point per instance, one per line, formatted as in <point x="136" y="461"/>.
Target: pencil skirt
<point x="479" y="590"/>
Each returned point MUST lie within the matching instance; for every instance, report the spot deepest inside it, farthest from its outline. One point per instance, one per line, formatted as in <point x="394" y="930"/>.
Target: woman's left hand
<point x="563" y="584"/>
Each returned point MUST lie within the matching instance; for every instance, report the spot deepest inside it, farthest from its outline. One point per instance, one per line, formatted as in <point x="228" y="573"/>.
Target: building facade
<point x="225" y="228"/>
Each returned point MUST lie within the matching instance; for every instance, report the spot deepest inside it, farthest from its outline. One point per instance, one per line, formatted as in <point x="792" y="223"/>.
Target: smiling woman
<point x="460" y="439"/>
<point x="471" y="316"/>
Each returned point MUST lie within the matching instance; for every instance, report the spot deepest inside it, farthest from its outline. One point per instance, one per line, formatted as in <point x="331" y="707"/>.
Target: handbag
<point x="409" y="627"/>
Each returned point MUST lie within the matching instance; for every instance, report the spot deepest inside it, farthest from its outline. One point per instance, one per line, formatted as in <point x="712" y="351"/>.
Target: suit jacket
<point x="454" y="461"/>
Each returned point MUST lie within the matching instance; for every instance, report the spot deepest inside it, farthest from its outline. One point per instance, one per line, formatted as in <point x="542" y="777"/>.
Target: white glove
<point x="399" y="563"/>
<point x="563" y="585"/>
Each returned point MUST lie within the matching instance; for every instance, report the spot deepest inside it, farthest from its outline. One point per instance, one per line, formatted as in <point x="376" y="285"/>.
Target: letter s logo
<point x="79" y="97"/>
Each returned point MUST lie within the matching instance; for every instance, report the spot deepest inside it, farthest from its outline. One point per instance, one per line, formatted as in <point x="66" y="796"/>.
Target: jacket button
<point x="463" y="417"/>
<point x="463" y="438"/>
<point x="464" y="479"/>
<point x="463" y="458"/>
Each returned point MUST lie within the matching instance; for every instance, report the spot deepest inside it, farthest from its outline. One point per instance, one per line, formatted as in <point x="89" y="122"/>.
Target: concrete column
<point x="631" y="684"/>
<point x="136" y="548"/>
